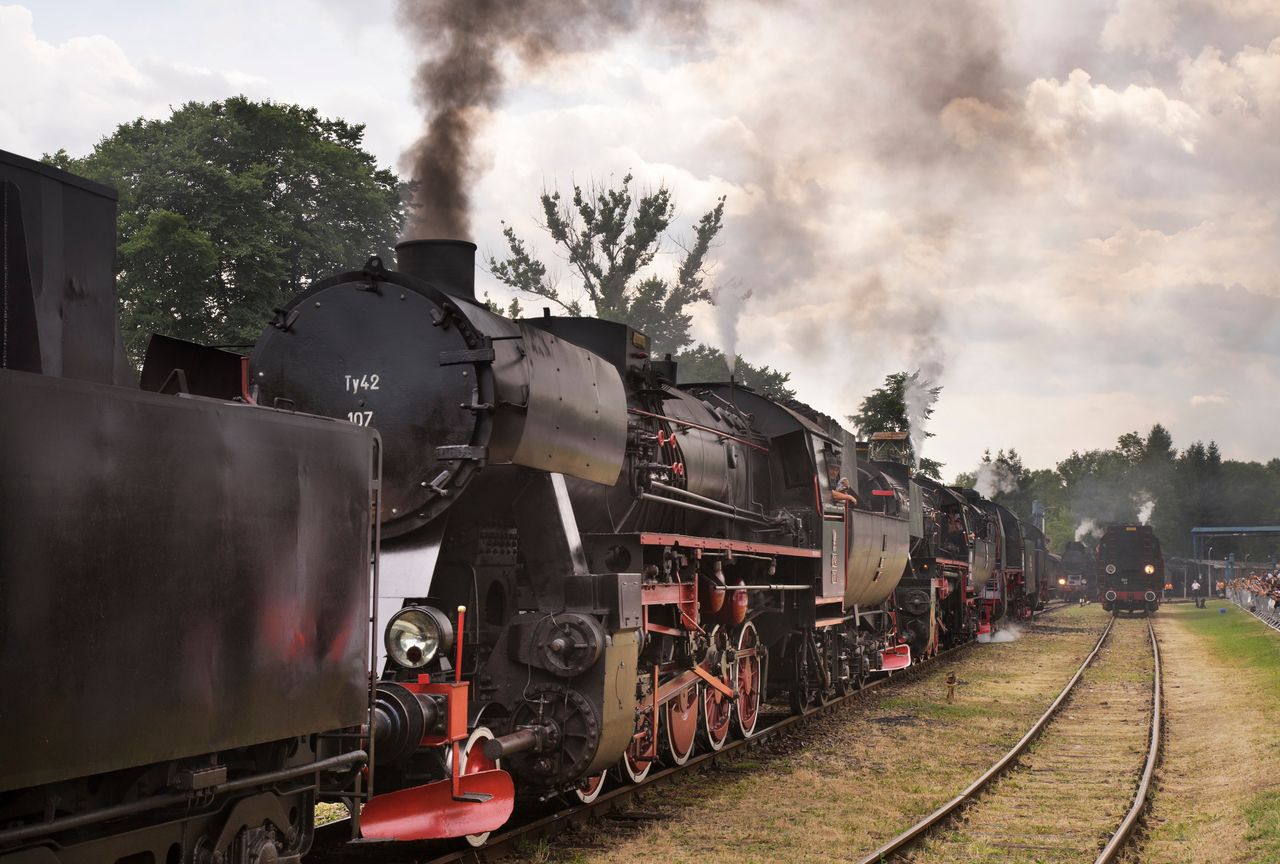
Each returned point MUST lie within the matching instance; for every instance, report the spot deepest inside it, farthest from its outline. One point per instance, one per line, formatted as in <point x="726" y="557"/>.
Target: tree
<point x="885" y="410"/>
<point x="703" y="363"/>
<point x="610" y="239"/>
<point x="228" y="209"/>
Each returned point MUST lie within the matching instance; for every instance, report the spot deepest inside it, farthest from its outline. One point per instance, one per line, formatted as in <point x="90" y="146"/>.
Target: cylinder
<point x="516" y="742"/>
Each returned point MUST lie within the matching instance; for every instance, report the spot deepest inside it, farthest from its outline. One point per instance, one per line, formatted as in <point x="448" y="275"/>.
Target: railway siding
<point x="1072" y="788"/>
<point x="851" y="780"/>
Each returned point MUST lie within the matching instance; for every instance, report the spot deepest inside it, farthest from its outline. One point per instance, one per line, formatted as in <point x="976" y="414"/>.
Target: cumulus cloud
<point x="1142" y="26"/>
<point x="1207" y="399"/>
<point x="73" y="93"/>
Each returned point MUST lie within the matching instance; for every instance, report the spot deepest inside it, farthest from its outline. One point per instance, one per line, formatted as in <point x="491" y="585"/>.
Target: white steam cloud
<point x="1008" y="633"/>
<point x="994" y="478"/>
<point x="920" y="394"/>
<point x="1088" y="528"/>
<point x="729" y="302"/>
<point x="1145" y="508"/>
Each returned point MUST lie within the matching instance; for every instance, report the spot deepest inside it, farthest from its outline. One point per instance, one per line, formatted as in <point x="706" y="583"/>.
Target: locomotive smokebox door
<point x="369" y="352"/>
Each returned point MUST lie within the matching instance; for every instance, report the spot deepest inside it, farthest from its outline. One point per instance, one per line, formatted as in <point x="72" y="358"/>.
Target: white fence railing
<point x="1267" y="609"/>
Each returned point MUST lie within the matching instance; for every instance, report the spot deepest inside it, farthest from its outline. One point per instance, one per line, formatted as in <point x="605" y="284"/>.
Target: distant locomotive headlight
<point x="1062" y="581"/>
<point x="416" y="634"/>
<point x="1149" y="569"/>
<point x="1111" y="569"/>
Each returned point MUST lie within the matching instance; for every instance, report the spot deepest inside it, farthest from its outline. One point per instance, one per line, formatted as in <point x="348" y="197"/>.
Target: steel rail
<point x="908" y="837"/>
<point x="1118" y="840"/>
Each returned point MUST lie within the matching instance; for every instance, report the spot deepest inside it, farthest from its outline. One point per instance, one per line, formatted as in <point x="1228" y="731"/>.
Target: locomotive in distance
<point x="1130" y="566"/>
<point x="640" y="563"/>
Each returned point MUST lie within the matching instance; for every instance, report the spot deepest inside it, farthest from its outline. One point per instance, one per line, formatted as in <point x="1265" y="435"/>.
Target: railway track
<point x="330" y="846"/>
<point x="1065" y="799"/>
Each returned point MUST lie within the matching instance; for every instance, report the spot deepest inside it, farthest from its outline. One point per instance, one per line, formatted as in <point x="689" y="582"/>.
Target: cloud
<point x="1141" y="26"/>
<point x="74" y="93"/>
<point x="1071" y="206"/>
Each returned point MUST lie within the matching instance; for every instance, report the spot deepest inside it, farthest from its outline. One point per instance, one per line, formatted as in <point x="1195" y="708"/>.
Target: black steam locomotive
<point x="184" y="581"/>
<point x="579" y="570"/>
<point x="1079" y="578"/>
<point x="639" y="560"/>
<point x="1130" y="569"/>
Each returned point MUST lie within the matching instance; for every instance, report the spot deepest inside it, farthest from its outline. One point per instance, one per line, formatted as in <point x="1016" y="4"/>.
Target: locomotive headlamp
<point x="416" y="634"/>
<point x="1149" y="569"/>
<point x="1062" y="581"/>
<point x="1111" y="569"/>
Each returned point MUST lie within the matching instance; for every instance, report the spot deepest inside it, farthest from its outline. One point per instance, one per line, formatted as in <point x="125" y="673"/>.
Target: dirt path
<point x="858" y="777"/>
<point x="1218" y="798"/>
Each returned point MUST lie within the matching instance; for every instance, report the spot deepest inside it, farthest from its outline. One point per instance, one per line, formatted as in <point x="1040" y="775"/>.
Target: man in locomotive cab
<point x="955" y="530"/>
<point x="843" y="493"/>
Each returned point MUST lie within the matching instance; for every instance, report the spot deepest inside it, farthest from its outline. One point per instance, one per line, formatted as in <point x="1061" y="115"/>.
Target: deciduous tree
<point x="885" y="410"/>
<point x="227" y="209"/>
<point x="609" y="239"/>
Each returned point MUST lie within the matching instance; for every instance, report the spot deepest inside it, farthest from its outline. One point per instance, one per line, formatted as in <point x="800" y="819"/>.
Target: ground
<point x="1218" y="799"/>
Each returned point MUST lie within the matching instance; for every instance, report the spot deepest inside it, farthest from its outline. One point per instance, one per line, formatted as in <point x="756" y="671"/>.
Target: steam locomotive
<point x="639" y="561"/>
<point x="576" y="569"/>
<point x="1080" y="571"/>
<point x="1130" y="569"/>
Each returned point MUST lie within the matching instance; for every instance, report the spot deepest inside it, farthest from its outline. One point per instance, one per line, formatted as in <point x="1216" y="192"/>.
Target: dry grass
<point x="852" y="780"/>
<point x="1072" y="788"/>
<point x="326" y="813"/>
<point x="1219" y="793"/>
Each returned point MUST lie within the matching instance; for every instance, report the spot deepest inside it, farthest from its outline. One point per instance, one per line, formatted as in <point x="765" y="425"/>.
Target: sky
<point x="1066" y="211"/>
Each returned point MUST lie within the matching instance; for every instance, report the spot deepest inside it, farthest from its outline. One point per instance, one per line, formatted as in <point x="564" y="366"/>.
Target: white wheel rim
<point x="737" y="715"/>
<point x="706" y="699"/>
<point x="677" y="758"/>
<point x="480" y="733"/>
<point x="631" y="774"/>
<point x="587" y="797"/>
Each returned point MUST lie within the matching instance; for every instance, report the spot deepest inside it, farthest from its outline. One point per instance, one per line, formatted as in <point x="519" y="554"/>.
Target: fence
<point x="1266" y="609"/>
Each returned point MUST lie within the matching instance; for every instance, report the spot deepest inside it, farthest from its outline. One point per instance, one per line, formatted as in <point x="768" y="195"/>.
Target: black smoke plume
<point x="464" y="44"/>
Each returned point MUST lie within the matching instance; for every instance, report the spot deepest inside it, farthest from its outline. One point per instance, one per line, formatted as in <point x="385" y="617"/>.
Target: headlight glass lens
<point x="414" y="637"/>
<point x="1149" y="569"/>
<point x="1111" y="569"/>
<point x="1062" y="581"/>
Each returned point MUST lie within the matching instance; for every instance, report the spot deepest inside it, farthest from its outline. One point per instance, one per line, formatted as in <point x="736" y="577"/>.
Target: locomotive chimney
<point x="447" y="264"/>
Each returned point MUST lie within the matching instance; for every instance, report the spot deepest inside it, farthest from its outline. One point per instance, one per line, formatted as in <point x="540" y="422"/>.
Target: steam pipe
<point x="725" y="514"/>
<point x="449" y="265"/>
<point x="694" y="496"/>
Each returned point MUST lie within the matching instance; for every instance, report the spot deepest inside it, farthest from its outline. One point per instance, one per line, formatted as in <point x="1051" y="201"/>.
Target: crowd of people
<point x="1259" y="593"/>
